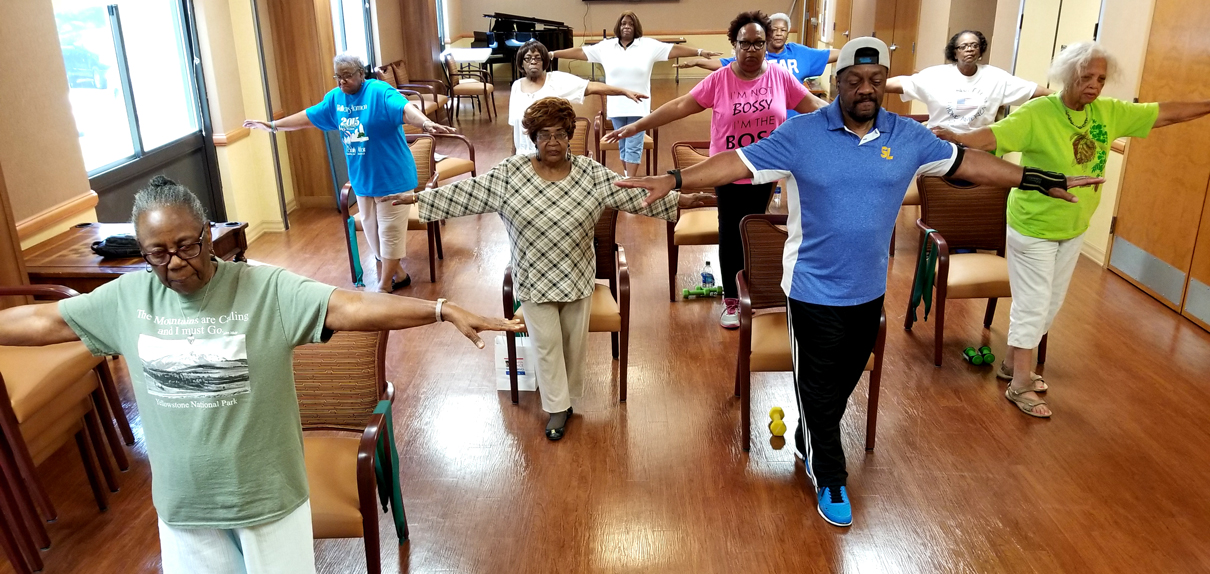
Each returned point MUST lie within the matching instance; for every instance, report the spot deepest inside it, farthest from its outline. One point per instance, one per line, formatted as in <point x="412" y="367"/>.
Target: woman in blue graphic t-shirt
<point x="369" y="114"/>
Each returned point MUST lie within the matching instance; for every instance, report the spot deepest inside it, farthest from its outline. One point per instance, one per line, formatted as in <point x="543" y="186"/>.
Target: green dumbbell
<point x="972" y="356"/>
<point x="988" y="357"/>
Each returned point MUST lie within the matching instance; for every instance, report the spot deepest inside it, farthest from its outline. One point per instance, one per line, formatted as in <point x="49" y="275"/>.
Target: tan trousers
<point x="560" y="336"/>
<point x="386" y="227"/>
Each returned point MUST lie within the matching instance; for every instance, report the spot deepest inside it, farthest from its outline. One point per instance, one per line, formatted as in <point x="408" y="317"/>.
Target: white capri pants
<point x="560" y="334"/>
<point x="284" y="546"/>
<point x="386" y="227"/>
<point x="1039" y="272"/>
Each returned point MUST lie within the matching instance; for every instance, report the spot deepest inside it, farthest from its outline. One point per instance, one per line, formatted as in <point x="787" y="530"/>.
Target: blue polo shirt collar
<point x="885" y="123"/>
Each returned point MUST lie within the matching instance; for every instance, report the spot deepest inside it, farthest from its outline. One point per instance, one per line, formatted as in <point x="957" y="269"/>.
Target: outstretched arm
<point x="980" y="139"/>
<point x="986" y="169"/>
<point x="599" y="89"/>
<point x="894" y="85"/>
<point x="576" y="53"/>
<point x="704" y="63"/>
<point x="33" y="326"/>
<point x="362" y="311"/>
<point x="1041" y="91"/>
<point x="720" y="169"/>
<point x="413" y="115"/>
<point x="1177" y="112"/>
<point x="685" y="52"/>
<point x="681" y="107"/>
<point x="809" y="103"/>
<point x="289" y="123"/>
<point x="833" y="55"/>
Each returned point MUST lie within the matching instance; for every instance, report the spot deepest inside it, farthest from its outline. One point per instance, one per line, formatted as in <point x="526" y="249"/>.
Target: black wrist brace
<point x="1042" y="181"/>
<point x="676" y="173"/>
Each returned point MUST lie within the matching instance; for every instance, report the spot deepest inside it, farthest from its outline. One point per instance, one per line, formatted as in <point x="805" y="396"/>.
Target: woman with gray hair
<point x="1069" y="131"/>
<point x="369" y="115"/>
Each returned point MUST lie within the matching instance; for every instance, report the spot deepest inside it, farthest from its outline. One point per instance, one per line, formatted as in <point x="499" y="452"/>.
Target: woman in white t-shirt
<point x="537" y="83"/>
<point x="964" y="95"/>
<point x="627" y="59"/>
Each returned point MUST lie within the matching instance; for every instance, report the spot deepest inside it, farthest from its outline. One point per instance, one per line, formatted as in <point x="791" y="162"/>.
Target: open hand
<point x="405" y="198"/>
<point x="708" y="54"/>
<point x="657" y="186"/>
<point x="685" y="65"/>
<point x="692" y="200"/>
<point x="470" y="324"/>
<point x="1074" y="181"/>
<point x="626" y="132"/>
<point x="433" y="127"/>
<point x="258" y="125"/>
<point x="945" y="134"/>
<point x="635" y="95"/>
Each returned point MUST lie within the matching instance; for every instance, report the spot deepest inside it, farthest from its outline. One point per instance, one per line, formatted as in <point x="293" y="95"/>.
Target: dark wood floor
<point x="961" y="481"/>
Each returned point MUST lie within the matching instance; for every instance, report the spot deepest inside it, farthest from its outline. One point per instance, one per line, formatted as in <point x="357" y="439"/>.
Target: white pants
<point x="283" y="546"/>
<point x="386" y="227"/>
<point x="560" y="333"/>
<point x="1039" y="272"/>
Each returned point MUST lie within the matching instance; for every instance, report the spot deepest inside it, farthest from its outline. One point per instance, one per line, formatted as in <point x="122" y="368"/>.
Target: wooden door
<point x="842" y="26"/>
<point x="896" y="22"/>
<point x="1164" y="182"/>
<point x="1197" y="291"/>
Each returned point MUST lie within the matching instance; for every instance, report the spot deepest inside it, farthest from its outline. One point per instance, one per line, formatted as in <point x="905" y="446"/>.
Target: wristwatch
<point x="676" y="173"/>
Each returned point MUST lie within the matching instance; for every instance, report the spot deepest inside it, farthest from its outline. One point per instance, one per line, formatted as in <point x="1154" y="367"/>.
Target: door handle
<point x="893" y="47"/>
<point x="846" y="33"/>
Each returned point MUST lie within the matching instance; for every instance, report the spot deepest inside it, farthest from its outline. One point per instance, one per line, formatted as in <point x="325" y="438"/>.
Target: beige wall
<point x="1000" y="52"/>
<point x="862" y="23"/>
<point x="388" y="30"/>
<point x="683" y="17"/>
<point x="974" y="15"/>
<point x="1125" y="25"/>
<point x="933" y="32"/>
<point x="39" y="144"/>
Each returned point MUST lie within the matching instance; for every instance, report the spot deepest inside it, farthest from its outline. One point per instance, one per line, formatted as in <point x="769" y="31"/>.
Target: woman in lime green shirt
<point x="1069" y="132"/>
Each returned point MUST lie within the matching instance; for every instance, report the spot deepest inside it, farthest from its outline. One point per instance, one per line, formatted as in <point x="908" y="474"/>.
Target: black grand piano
<point x="510" y="31"/>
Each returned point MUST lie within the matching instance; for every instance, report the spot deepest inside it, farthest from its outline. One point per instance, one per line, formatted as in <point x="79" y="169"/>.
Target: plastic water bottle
<point x="707" y="276"/>
<point x="777" y="196"/>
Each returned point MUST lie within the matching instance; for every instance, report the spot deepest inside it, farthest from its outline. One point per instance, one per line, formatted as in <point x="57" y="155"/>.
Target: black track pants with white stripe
<point x="831" y="346"/>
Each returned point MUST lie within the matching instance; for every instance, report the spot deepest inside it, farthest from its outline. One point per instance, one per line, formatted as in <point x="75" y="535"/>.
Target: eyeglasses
<point x="967" y="46"/>
<point x="161" y="257"/>
<point x="532" y="59"/>
<point x="557" y="136"/>
<point x="751" y="46"/>
<point x="344" y="77"/>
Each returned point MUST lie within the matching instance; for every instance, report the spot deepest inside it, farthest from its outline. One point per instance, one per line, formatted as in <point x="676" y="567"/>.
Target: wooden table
<point x="667" y="40"/>
<point x="67" y="258"/>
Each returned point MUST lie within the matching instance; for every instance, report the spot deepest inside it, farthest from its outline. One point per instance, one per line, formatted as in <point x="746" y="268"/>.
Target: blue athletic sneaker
<point x="834" y="506"/>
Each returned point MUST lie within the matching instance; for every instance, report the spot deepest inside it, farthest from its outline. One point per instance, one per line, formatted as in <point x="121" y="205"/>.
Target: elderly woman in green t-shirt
<point x="1070" y="132"/>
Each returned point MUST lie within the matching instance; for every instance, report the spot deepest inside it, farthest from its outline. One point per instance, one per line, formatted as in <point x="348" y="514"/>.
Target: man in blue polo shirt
<point x="846" y="167"/>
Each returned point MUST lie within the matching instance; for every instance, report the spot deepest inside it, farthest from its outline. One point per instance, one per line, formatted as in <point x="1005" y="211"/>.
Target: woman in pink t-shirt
<point x="748" y="100"/>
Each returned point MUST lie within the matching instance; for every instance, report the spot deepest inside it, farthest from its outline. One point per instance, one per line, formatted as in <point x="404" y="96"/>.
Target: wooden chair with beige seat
<point x="764" y="338"/>
<point x="579" y="140"/>
<point x="693" y="226"/>
<point x="964" y="217"/>
<point x="449" y="167"/>
<point x="429" y="93"/>
<point x="422" y="152"/>
<point x="651" y="141"/>
<point x="472" y="84"/>
<point x="610" y="302"/>
<point x="912" y="197"/>
<point x="344" y="402"/>
<point x="48" y="396"/>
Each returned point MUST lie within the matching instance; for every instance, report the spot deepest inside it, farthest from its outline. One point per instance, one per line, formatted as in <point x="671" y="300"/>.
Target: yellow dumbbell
<point x="777" y="426"/>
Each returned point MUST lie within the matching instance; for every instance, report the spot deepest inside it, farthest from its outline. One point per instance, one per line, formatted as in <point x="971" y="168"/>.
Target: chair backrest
<point x="605" y="242"/>
<point x="579" y="140"/>
<point x="968" y="216"/>
<point x="451" y="70"/>
<point x="340" y="382"/>
<point x="401" y="71"/>
<point x="387" y="74"/>
<point x="764" y="243"/>
<point x="688" y="154"/>
<point x="422" y="147"/>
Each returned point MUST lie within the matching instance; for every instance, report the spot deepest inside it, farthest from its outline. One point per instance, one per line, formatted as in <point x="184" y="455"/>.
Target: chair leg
<point x="24" y="463"/>
<point x="871" y="417"/>
<point x="437" y="233"/>
<point x="990" y="314"/>
<point x="623" y="355"/>
<point x="14" y="538"/>
<point x="494" y="110"/>
<point x="939" y="326"/>
<point x="98" y="448"/>
<point x="1042" y="349"/>
<point x="893" y="233"/>
<point x="674" y="255"/>
<point x="369" y="530"/>
<point x="744" y="380"/>
<point x="105" y="373"/>
<point x="22" y="500"/>
<point x="613" y="338"/>
<point x="111" y="434"/>
<point x="511" y="341"/>
<point x="432" y="235"/>
<point x="90" y="470"/>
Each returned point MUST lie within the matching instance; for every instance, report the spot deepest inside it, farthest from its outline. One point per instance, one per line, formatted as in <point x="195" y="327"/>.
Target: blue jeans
<point x="631" y="148"/>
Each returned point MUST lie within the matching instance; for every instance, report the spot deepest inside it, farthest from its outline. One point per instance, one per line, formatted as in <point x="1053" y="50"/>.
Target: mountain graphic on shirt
<point x="197" y="370"/>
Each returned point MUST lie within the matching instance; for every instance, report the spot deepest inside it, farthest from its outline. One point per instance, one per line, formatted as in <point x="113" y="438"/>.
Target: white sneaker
<point x="730" y="317"/>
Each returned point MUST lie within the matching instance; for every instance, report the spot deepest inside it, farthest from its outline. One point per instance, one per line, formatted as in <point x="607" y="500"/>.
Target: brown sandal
<point x="1027" y="406"/>
<point x="1040" y="385"/>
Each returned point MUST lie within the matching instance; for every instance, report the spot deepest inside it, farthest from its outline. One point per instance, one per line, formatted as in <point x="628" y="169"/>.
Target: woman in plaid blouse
<point x="550" y="203"/>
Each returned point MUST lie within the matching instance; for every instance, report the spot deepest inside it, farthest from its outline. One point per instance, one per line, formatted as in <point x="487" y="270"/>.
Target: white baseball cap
<point x="864" y="50"/>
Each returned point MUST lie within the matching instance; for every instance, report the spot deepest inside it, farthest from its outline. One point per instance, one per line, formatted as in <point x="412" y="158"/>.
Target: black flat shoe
<point x="556" y="433"/>
<point x="407" y="280"/>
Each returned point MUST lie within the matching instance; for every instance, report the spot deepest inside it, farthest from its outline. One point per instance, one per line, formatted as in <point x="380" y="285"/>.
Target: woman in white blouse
<point x="550" y="203"/>
<point x="964" y="95"/>
<point x="628" y="58"/>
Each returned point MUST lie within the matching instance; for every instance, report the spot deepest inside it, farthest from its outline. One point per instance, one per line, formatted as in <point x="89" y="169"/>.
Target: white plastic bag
<point x="527" y="364"/>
